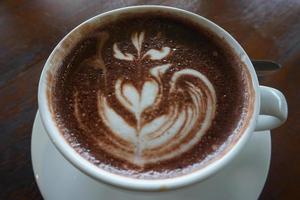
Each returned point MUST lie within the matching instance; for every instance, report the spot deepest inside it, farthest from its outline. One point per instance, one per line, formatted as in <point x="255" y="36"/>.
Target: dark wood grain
<point x="29" y="30"/>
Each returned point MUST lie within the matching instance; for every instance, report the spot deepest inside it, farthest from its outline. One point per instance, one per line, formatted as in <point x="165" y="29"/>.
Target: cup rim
<point x="145" y="184"/>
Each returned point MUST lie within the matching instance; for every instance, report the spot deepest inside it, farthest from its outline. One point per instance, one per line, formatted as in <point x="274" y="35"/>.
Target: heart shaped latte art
<point x="168" y="135"/>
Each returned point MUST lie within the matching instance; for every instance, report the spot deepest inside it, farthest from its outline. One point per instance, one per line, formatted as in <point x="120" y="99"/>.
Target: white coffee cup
<point x="269" y="105"/>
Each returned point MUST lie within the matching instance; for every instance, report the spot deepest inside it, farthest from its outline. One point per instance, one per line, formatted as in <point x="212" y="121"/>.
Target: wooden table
<point x="29" y="30"/>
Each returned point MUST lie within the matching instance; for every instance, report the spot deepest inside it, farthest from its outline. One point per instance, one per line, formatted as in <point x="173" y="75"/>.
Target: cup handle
<point x="273" y="109"/>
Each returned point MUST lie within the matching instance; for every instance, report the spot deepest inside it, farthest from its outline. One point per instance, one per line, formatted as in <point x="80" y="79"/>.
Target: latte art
<point x="154" y="102"/>
<point x="168" y="135"/>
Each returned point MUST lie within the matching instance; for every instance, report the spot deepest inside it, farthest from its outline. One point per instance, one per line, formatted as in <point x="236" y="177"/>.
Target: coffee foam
<point x="166" y="136"/>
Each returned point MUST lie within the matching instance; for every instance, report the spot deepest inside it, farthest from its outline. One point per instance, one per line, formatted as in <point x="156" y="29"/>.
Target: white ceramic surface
<point x="57" y="179"/>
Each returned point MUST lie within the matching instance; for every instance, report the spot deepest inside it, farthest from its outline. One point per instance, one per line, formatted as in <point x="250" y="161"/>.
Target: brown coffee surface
<point x="150" y="97"/>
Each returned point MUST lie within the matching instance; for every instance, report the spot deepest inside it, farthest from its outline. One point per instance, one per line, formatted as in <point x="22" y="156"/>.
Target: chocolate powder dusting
<point x="92" y="85"/>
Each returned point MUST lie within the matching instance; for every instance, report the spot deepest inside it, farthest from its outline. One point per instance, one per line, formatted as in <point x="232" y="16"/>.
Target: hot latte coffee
<point x="150" y="96"/>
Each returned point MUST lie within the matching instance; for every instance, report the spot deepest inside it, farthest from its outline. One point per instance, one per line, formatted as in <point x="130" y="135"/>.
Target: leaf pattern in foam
<point x="137" y="40"/>
<point x="148" y="95"/>
<point x="170" y="129"/>
<point x="157" y="54"/>
<point x="115" y="122"/>
<point x="134" y="101"/>
<point x="119" y="55"/>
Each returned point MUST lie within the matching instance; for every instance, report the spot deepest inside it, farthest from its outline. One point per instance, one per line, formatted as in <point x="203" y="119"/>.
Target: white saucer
<point x="57" y="179"/>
